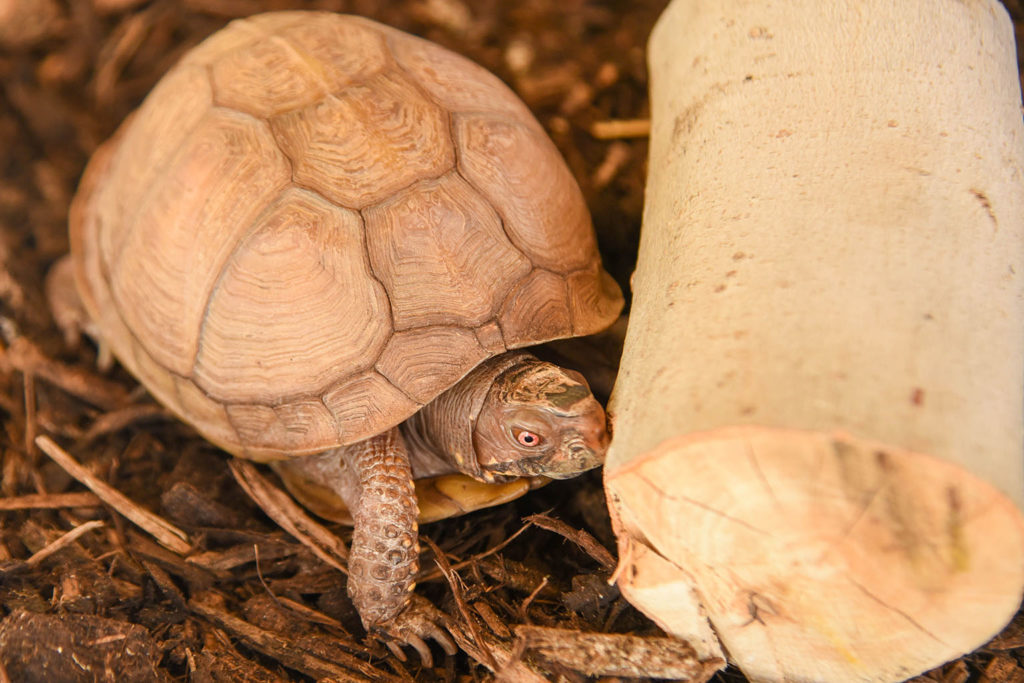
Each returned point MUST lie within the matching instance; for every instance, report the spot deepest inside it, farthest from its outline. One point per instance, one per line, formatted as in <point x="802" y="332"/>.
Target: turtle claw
<point x="417" y="622"/>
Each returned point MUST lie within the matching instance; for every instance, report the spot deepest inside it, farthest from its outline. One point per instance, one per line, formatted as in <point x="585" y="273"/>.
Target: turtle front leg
<point x="384" y="556"/>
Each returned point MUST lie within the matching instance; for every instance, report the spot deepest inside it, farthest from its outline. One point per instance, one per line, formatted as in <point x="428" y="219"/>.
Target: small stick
<point x="617" y="156"/>
<point x="523" y="608"/>
<point x="65" y="540"/>
<point x="615" y="129"/>
<point x="308" y="613"/>
<point x="168" y="535"/>
<point x="289" y="516"/>
<point x="29" y="383"/>
<point x="122" y="417"/>
<point x="50" y="501"/>
<point x="584" y="540"/>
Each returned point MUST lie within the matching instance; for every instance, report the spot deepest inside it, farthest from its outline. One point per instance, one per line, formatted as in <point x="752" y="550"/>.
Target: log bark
<point x="818" y="420"/>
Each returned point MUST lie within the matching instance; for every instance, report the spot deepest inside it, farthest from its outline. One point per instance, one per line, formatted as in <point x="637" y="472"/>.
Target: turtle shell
<point x="315" y="224"/>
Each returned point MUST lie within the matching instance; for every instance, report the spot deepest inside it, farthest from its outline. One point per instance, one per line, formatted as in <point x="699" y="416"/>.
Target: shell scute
<point x="275" y="432"/>
<point x="594" y="298"/>
<point x="296" y="66"/>
<point x="418" y="360"/>
<point x="455" y="82"/>
<point x="173" y="252"/>
<point x="154" y="375"/>
<point x="525" y="179"/>
<point x="440" y="251"/>
<point x="264" y="78"/>
<point x="536" y="310"/>
<point x="342" y="52"/>
<point x="393" y="136"/>
<point x="295" y="308"/>
<point x="198" y="408"/>
<point x="367" y="404"/>
<point x="162" y="131"/>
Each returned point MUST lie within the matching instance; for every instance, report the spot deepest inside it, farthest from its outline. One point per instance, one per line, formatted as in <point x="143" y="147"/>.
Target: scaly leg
<point x="374" y="478"/>
<point x="385" y="545"/>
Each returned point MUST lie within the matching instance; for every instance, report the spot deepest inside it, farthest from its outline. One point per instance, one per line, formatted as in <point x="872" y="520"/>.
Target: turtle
<point x="326" y="244"/>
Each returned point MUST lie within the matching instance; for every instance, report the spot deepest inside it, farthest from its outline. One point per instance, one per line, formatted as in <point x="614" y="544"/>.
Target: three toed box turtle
<point x="317" y="241"/>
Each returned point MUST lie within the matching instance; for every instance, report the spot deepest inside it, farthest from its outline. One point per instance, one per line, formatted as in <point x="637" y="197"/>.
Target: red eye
<point x="526" y="438"/>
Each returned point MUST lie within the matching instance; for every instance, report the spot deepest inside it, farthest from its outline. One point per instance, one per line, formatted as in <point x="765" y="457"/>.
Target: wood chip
<point x="1002" y="669"/>
<point x="1012" y="636"/>
<point x="78" y="647"/>
<point x="26" y="22"/>
<point x="123" y="42"/>
<point x="277" y="615"/>
<point x="164" y="583"/>
<point x="954" y="672"/>
<point x="164" y="532"/>
<point x="493" y="621"/>
<point x="287" y="652"/>
<point x="308" y="613"/>
<point x="604" y="654"/>
<point x="112" y="6"/>
<point x="197" y="578"/>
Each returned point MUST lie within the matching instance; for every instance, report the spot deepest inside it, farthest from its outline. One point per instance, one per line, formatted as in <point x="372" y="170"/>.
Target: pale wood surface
<point x="818" y="416"/>
<point x="315" y="224"/>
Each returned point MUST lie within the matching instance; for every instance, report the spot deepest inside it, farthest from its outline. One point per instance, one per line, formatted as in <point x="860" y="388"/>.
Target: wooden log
<point x="818" y="420"/>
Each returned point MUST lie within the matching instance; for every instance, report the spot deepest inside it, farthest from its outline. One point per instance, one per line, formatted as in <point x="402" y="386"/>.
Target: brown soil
<point x="108" y="602"/>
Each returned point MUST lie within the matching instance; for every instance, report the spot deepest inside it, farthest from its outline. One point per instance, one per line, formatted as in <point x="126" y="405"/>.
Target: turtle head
<point x="539" y="419"/>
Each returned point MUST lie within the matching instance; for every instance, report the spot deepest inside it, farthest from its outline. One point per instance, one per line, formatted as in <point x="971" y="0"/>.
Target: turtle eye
<point x="526" y="438"/>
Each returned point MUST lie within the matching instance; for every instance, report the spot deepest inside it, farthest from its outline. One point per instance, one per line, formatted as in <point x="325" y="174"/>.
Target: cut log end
<point x="832" y="551"/>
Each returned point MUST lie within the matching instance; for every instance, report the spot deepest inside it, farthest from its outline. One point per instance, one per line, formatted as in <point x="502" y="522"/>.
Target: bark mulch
<point x="128" y="549"/>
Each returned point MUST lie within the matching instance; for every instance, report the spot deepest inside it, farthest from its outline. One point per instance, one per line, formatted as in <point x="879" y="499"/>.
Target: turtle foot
<point x="413" y="626"/>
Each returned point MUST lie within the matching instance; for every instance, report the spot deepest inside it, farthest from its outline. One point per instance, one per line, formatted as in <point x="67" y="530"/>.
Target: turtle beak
<point x="584" y="444"/>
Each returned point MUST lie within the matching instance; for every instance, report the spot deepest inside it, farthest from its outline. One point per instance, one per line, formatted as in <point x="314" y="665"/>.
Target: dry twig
<point x="283" y="510"/>
<point x="65" y="540"/>
<point x="164" y="532"/>
<point x="50" y="501"/>
<point x="621" y="128"/>
<point x="587" y="542"/>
